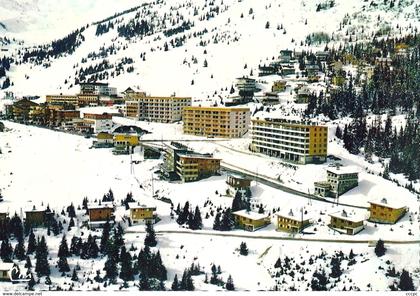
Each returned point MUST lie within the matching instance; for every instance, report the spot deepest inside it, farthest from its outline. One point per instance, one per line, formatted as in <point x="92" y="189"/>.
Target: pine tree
<point x="63" y="249"/>
<point x="183" y="216"/>
<point x="229" y="284"/>
<point x="243" y="250"/>
<point x="144" y="284"/>
<point x="71" y="211"/>
<point x="126" y="273"/>
<point x="63" y="265"/>
<point x="197" y="220"/>
<point x="19" y="252"/>
<point x="175" y="284"/>
<point x="6" y="251"/>
<point x="105" y="238"/>
<point x="31" y="243"/>
<point x="28" y="263"/>
<point x="42" y="266"/>
<point x="406" y="282"/>
<point x="74" y="277"/>
<point x="75" y="246"/>
<point x="214" y="280"/>
<point x="189" y="283"/>
<point x="380" y="248"/>
<point x="150" y="239"/>
<point x="335" y="268"/>
<point x="110" y="268"/>
<point x="31" y="283"/>
<point x="216" y="224"/>
<point x="319" y="281"/>
<point x="16" y="227"/>
<point x="227" y="222"/>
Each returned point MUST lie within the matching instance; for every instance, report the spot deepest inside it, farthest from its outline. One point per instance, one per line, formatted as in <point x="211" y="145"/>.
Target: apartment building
<point x="97" y="88"/>
<point x="100" y="213"/>
<point x="194" y="166"/>
<point x="220" y="122"/>
<point x="62" y="99"/>
<point x="156" y="109"/>
<point x="295" y="141"/>
<point x="339" y="181"/>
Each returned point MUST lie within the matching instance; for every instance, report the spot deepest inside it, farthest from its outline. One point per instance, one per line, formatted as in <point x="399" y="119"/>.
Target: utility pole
<point x="153" y="189"/>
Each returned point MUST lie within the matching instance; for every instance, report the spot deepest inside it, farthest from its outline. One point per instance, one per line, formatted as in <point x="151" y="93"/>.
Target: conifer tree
<point x="6" y="251"/>
<point x="335" y="267"/>
<point x="126" y="273"/>
<point x="144" y="283"/>
<point x="380" y="248"/>
<point x="28" y="263"/>
<point x="74" y="277"/>
<point x="42" y="266"/>
<point x="105" y="238"/>
<point x="19" y="252"/>
<point x="243" y="250"/>
<point x="31" y="243"/>
<point x="175" y="284"/>
<point x="63" y="249"/>
<point x="406" y="282"/>
<point x="229" y="284"/>
<point x="197" y="220"/>
<point x="216" y="224"/>
<point x="63" y="265"/>
<point x="150" y="239"/>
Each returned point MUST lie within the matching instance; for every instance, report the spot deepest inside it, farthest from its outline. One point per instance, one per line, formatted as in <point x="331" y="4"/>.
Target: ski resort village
<point x="210" y="145"/>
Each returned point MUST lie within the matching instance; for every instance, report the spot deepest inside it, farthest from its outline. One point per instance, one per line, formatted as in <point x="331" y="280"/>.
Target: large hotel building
<point x="295" y="141"/>
<point x="157" y="109"/>
<point x="216" y="121"/>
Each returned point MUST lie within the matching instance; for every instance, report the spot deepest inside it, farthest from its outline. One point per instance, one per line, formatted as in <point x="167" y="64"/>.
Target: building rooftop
<point x="34" y="208"/>
<point x="294" y="214"/>
<point x="138" y="205"/>
<point x="343" y="170"/>
<point x="5" y="266"/>
<point x="196" y="155"/>
<point x="349" y="216"/>
<point x="250" y="215"/>
<point x="101" y="205"/>
<point x="387" y="202"/>
<point x="238" y="176"/>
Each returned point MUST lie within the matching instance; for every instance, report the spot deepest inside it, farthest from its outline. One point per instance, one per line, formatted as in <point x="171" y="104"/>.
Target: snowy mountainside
<point x="198" y="48"/>
<point x="38" y="21"/>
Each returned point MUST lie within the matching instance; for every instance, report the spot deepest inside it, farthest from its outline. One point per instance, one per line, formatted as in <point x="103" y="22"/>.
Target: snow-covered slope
<point x="232" y="37"/>
<point x="37" y="21"/>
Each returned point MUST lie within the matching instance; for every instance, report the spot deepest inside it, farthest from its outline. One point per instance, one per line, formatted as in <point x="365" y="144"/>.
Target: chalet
<point x="99" y="122"/>
<point x="288" y="70"/>
<point x="383" y="61"/>
<point x="266" y="70"/>
<point x="151" y="153"/>
<point x="250" y="221"/>
<point x="3" y="216"/>
<point x="338" y="79"/>
<point x="312" y="70"/>
<point x="339" y="181"/>
<point x="100" y="213"/>
<point x="347" y="223"/>
<point x="278" y="86"/>
<point x="322" y="55"/>
<point x="140" y="213"/>
<point x="292" y="221"/>
<point x="6" y="270"/>
<point x="285" y="56"/>
<point x="104" y="140"/>
<point x="20" y="110"/>
<point x="36" y="216"/>
<point x="386" y="211"/>
<point x="123" y="143"/>
<point x="238" y="182"/>
<point x="303" y="94"/>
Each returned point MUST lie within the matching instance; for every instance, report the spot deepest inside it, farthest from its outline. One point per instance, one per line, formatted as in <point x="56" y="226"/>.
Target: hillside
<point x="194" y="48"/>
